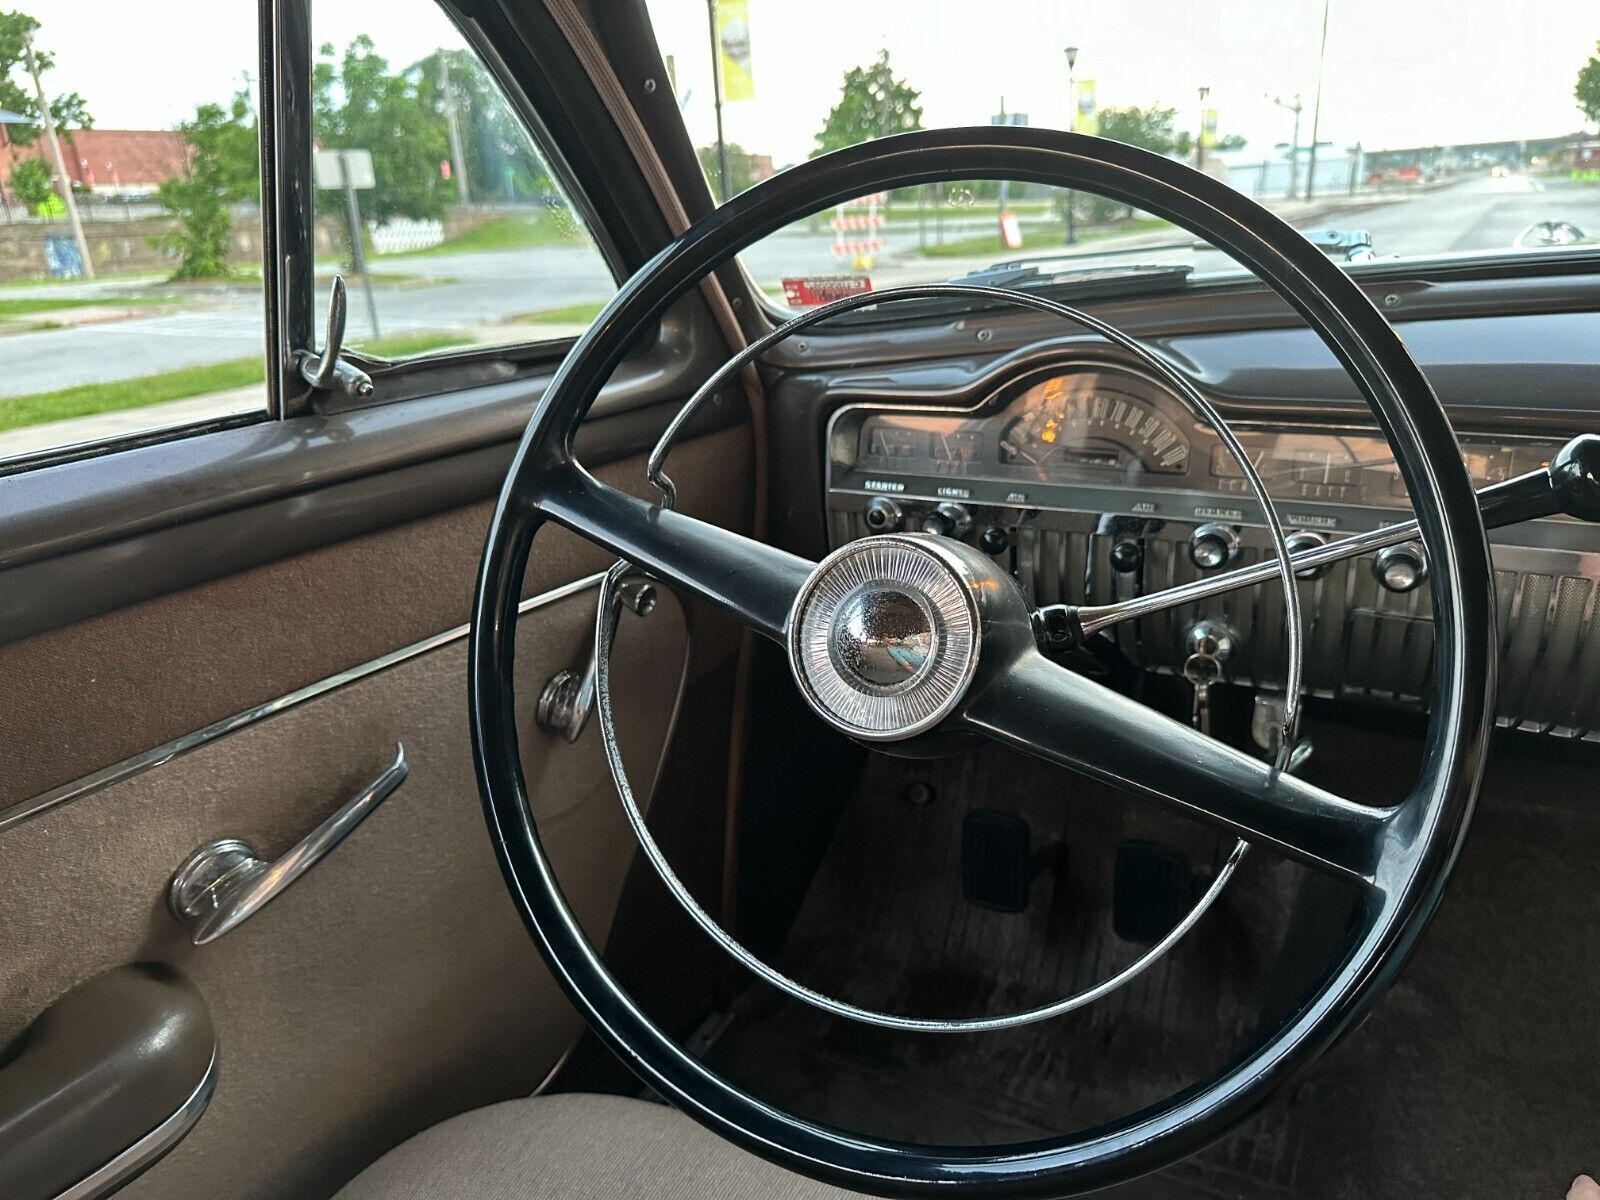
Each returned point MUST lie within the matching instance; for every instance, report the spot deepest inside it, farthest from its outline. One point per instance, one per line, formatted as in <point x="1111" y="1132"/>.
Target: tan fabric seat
<point x="575" y="1147"/>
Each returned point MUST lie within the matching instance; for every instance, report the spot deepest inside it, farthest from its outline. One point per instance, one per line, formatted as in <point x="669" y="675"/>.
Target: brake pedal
<point x="996" y="860"/>
<point x="1153" y="889"/>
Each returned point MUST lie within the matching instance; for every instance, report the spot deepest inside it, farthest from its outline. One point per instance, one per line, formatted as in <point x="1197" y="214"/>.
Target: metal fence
<point x="1336" y="175"/>
<point x="102" y="208"/>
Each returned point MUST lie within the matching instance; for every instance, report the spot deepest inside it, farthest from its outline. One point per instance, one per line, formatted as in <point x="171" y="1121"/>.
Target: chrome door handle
<point x="224" y="884"/>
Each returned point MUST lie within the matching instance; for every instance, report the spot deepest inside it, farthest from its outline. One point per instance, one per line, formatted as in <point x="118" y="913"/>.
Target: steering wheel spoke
<point x="754" y="583"/>
<point x="1047" y="711"/>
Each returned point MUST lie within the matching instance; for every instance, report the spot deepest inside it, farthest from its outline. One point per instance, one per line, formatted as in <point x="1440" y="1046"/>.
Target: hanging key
<point x="1202" y="670"/>
<point x="1211" y="644"/>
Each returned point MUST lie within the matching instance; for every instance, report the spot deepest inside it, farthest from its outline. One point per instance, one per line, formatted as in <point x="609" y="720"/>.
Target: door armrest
<point x="103" y="1083"/>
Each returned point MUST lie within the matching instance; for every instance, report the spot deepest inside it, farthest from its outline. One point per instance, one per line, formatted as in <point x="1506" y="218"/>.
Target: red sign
<point x="1010" y="231"/>
<point x="807" y="290"/>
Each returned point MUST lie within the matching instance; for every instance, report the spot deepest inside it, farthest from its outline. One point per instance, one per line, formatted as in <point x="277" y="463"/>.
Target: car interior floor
<point x="1461" y="1082"/>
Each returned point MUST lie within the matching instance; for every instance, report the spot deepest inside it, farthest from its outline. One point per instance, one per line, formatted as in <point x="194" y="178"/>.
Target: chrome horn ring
<point x="930" y="580"/>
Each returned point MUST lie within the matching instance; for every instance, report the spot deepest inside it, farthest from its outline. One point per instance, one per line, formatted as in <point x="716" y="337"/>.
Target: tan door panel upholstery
<point x="91" y="694"/>
<point x="391" y="986"/>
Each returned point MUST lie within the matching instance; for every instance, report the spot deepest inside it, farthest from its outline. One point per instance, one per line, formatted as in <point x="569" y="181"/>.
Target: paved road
<point x="481" y="289"/>
<point x="1479" y="214"/>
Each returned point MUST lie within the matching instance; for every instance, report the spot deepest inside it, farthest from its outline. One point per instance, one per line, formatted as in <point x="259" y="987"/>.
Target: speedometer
<point x="1080" y="421"/>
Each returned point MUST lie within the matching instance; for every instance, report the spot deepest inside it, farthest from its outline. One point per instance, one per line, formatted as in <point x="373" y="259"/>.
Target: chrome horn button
<point x="883" y="638"/>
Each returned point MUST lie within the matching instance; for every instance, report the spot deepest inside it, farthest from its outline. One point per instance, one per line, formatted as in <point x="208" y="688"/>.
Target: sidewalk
<point x="53" y="435"/>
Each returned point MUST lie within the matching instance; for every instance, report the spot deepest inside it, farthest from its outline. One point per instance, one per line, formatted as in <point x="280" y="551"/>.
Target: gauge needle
<point x="1019" y="452"/>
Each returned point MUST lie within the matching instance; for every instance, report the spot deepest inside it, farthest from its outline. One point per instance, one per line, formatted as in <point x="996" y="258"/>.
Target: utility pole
<point x="1294" y="145"/>
<point x="1316" y="105"/>
<point x="1200" y="137"/>
<point x="61" y="164"/>
<point x="716" y="94"/>
<point x="458" y="161"/>
<point x="1072" y="127"/>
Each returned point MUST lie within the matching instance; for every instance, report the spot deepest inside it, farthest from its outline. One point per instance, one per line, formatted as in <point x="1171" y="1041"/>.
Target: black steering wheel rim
<point x="1423" y="839"/>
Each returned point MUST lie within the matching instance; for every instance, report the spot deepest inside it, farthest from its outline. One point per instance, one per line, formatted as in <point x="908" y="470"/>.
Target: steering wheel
<point x="979" y="669"/>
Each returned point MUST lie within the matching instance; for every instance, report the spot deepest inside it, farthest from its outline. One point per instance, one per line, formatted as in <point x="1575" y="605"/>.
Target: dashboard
<point x="1092" y="482"/>
<point x="1115" y="433"/>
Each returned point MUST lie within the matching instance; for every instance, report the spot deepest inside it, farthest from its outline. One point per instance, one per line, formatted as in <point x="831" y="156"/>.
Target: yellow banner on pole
<point x="1085" y="117"/>
<point x="733" y="49"/>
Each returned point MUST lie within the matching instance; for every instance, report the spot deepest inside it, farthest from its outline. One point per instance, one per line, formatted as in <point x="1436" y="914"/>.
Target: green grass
<point x="91" y="398"/>
<point x="404" y="345"/>
<point x="541" y="228"/>
<point x="23" y="306"/>
<point x="568" y="314"/>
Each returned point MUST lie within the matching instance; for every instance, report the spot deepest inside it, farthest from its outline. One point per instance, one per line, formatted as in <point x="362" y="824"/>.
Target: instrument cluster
<point x="1091" y="483"/>
<point x="1135" y="443"/>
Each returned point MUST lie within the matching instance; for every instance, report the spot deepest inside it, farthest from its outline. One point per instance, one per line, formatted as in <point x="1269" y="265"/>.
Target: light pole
<point x="1200" y="137"/>
<point x="1316" y="105"/>
<point x="1072" y="126"/>
<point x="1294" y="144"/>
<point x="452" y="123"/>
<point x="716" y="96"/>
<point x="48" y="120"/>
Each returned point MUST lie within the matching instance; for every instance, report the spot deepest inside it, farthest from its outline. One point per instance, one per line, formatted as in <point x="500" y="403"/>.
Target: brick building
<point x="107" y="162"/>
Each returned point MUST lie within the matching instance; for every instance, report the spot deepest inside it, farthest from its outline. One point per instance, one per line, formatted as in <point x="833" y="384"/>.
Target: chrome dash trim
<point x="23" y="810"/>
<point x="109" y="1176"/>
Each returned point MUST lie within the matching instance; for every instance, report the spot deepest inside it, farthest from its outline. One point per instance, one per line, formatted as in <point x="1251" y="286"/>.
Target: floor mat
<point x="1474" y="1077"/>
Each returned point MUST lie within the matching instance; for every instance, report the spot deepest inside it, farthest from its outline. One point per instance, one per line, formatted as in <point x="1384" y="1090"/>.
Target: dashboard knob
<point x="883" y="515"/>
<point x="948" y="520"/>
<point x="1212" y="638"/>
<point x="1575" y="477"/>
<point x="1302" y="540"/>
<point x="1212" y="546"/>
<point x="1126" y="556"/>
<point x="1400" y="568"/>
<point x="994" y="539"/>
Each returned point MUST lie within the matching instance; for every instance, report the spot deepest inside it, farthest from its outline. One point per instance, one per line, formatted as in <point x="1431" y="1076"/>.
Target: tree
<point x="740" y="174"/>
<point x="30" y="180"/>
<point x="873" y="102"/>
<point x="16" y="85"/>
<point x="1150" y="128"/>
<point x="222" y="169"/>
<point x="1183" y="143"/>
<point x="358" y="103"/>
<point x="501" y="162"/>
<point x="1588" y="90"/>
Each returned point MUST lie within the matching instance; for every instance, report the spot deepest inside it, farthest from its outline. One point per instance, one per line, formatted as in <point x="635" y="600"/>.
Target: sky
<point x="1397" y="72"/>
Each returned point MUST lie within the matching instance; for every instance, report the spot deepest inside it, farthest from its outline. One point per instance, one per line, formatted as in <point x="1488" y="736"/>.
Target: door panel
<point x="393" y="985"/>
<point x="83" y="697"/>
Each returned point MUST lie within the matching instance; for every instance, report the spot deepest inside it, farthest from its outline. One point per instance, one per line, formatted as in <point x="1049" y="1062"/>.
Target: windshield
<point x="1383" y="132"/>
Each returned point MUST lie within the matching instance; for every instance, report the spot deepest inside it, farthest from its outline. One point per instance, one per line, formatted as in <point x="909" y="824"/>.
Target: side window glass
<point x="432" y="197"/>
<point x="130" y="221"/>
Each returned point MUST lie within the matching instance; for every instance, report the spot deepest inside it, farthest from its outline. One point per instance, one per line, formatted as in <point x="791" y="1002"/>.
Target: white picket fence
<point x="399" y="234"/>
